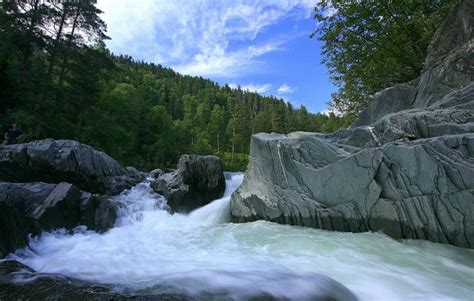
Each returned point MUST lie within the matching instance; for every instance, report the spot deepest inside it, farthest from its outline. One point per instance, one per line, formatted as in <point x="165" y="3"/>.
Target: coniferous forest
<point x="58" y="80"/>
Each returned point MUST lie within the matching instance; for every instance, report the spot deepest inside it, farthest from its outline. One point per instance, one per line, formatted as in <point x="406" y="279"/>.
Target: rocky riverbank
<point x="51" y="184"/>
<point x="406" y="167"/>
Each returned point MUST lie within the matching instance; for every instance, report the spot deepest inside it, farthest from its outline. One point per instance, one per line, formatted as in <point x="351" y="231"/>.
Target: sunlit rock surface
<point x="406" y="166"/>
<point x="55" y="161"/>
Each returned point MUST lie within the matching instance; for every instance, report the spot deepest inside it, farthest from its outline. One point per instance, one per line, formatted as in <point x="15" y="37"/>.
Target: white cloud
<point x="325" y="112"/>
<point x="331" y="11"/>
<point x="258" y="88"/>
<point x="227" y="64"/>
<point x="284" y="89"/>
<point x="199" y="37"/>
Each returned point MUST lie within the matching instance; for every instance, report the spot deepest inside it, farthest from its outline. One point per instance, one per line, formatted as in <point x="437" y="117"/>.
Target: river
<point x="203" y="253"/>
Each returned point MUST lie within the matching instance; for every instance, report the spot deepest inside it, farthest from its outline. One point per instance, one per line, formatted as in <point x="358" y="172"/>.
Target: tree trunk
<point x="65" y="60"/>
<point x="42" y="105"/>
<point x="53" y="54"/>
<point x="26" y="59"/>
<point x="233" y="146"/>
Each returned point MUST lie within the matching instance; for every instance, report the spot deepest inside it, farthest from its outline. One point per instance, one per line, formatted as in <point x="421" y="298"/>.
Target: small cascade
<point x="202" y="254"/>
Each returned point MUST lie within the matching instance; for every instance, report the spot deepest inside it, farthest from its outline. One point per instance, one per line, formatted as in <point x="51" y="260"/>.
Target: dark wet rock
<point x="197" y="181"/>
<point x="106" y="213"/>
<point x="20" y="282"/>
<point x="30" y="208"/>
<point x="135" y="173"/>
<point x="156" y="173"/>
<point x="55" y="161"/>
<point x="406" y="167"/>
<point x="34" y="207"/>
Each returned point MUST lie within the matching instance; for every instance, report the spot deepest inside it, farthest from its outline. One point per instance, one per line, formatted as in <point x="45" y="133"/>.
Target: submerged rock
<point x="55" y="161"/>
<point x="197" y="181"/>
<point x="20" y="282"/>
<point x="406" y="166"/>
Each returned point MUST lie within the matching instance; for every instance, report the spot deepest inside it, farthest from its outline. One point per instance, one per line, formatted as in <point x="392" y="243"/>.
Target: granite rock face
<point x="197" y="181"/>
<point x="422" y="189"/>
<point x="55" y="161"/>
<point x="405" y="167"/>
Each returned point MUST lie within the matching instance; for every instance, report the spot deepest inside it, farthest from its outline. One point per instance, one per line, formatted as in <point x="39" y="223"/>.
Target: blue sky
<point x="261" y="45"/>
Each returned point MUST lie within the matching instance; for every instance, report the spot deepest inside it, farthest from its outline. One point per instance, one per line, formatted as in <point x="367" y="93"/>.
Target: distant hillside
<point x="67" y="85"/>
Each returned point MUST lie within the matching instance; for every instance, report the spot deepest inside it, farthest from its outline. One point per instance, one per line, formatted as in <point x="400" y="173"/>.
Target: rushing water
<point x="203" y="252"/>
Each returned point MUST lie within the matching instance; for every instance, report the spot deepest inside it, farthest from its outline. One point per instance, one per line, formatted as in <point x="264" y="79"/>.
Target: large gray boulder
<point x="406" y="167"/>
<point x="30" y="208"/>
<point x="422" y="189"/>
<point x="34" y="207"/>
<point x="55" y="161"/>
<point x="197" y="181"/>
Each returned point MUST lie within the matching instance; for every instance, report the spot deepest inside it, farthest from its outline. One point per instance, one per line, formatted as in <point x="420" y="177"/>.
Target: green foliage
<point x="371" y="45"/>
<point x="66" y="85"/>
<point x="202" y="145"/>
<point x="240" y="161"/>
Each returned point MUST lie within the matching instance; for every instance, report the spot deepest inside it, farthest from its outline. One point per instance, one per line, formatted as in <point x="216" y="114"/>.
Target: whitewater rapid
<point x="204" y="252"/>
